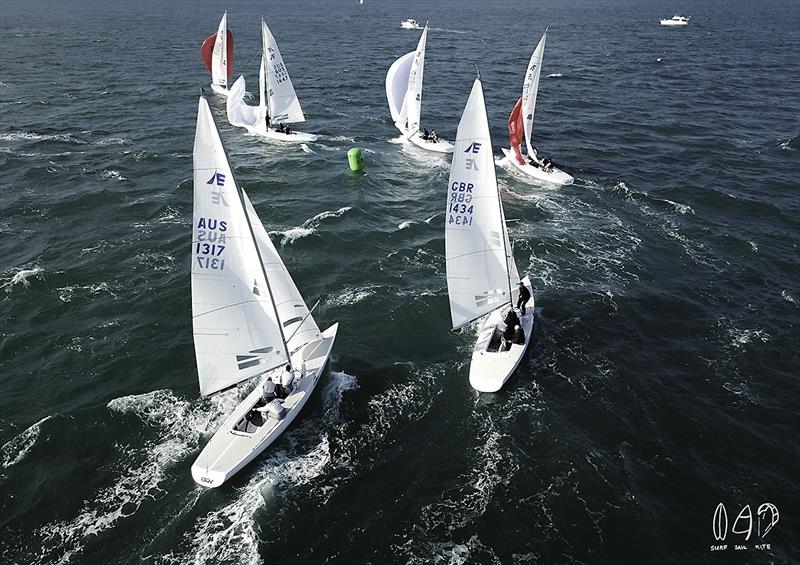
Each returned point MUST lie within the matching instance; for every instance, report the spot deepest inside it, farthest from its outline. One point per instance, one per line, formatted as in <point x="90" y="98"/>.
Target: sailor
<point x="434" y="137"/>
<point x="268" y="391"/>
<point x="547" y="165"/>
<point x="425" y="135"/>
<point x="508" y="337"/>
<point x="519" y="336"/>
<point x="533" y="157"/>
<point x="524" y="296"/>
<point x="286" y="129"/>
<point x="285" y="381"/>
<point x="511" y="318"/>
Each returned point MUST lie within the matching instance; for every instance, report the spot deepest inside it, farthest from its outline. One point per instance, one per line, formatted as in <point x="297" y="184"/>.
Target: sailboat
<point x="482" y="277"/>
<point x="217" y="53"/>
<point x="521" y="122"/>
<point x="249" y="320"/>
<point x="404" y="93"/>
<point x="278" y="104"/>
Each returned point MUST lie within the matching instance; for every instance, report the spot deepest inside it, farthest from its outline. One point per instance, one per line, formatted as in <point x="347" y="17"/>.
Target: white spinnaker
<point x="219" y="56"/>
<point x="397" y="86"/>
<point x="413" y="100"/>
<point x="292" y="309"/>
<point x="476" y="242"/>
<point x="236" y="334"/>
<point x="530" y="88"/>
<point x="242" y="115"/>
<point x="284" y="107"/>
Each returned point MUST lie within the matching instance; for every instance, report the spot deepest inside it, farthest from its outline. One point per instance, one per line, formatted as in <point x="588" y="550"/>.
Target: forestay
<point x="242" y="115"/>
<point x="236" y="333"/>
<point x="530" y="88"/>
<point x="397" y="87"/>
<point x="480" y="269"/>
<point x="284" y="107"/>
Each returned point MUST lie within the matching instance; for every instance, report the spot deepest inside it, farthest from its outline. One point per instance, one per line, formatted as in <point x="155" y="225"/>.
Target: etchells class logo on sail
<point x="743" y="527"/>
<point x="217" y="196"/>
<point x="217" y="179"/>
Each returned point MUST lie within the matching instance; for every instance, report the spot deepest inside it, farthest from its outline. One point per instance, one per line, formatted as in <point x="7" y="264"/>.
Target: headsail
<point x="217" y="52"/>
<point x="530" y="88"/>
<point x="412" y="107"/>
<point x="284" y="107"/>
<point x="515" y="132"/>
<point x="236" y="332"/>
<point x="242" y="115"/>
<point x="397" y="87"/>
<point x="479" y="264"/>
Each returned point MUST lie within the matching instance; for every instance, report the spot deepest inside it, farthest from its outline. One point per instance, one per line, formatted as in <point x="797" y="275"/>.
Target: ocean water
<point x="663" y="375"/>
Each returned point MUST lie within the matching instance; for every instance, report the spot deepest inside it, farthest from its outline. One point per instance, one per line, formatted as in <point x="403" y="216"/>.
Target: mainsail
<point x="284" y="107"/>
<point x="237" y="334"/>
<point x="217" y="53"/>
<point x="530" y="88"/>
<point x="480" y="268"/>
<point x="412" y="106"/>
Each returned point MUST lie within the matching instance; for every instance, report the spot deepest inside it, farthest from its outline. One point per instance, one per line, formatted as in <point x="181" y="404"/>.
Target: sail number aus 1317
<point x="460" y="207"/>
<point x="210" y="241"/>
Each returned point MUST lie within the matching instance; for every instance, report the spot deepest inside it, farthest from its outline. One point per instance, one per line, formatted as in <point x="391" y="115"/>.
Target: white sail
<point x="397" y="87"/>
<point x="236" y="333"/>
<point x="240" y="114"/>
<point x="299" y="326"/>
<point x="262" y="84"/>
<point x="530" y="88"/>
<point x="219" y="56"/>
<point x="413" y="100"/>
<point x="284" y="107"/>
<point x="476" y="241"/>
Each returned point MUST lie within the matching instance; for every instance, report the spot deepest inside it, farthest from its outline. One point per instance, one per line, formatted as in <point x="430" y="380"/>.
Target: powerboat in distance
<point x="676" y="21"/>
<point x="409" y="24"/>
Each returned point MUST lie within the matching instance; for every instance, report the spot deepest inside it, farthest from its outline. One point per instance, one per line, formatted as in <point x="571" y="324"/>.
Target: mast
<point x="258" y="251"/>
<point x="265" y="58"/>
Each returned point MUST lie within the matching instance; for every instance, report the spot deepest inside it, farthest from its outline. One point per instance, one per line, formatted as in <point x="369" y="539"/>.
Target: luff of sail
<point x="235" y="327"/>
<point x="530" y="88"/>
<point x="479" y="266"/>
<point x="284" y="107"/>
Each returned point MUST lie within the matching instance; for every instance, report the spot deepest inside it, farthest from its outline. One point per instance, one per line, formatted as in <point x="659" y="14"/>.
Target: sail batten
<point x="480" y="269"/>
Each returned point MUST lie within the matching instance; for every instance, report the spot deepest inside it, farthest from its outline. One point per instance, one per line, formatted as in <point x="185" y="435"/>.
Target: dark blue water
<point x="663" y="376"/>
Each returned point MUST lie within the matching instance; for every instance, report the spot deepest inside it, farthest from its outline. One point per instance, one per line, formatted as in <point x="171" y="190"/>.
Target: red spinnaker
<point x="515" y="130"/>
<point x="208" y="48"/>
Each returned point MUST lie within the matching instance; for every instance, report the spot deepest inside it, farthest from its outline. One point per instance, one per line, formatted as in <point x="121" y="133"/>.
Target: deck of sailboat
<point x="554" y="176"/>
<point x="229" y="450"/>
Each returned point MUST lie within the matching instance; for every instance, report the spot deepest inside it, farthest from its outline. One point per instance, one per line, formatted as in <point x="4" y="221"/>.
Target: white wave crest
<point x="22" y="277"/>
<point x="67" y="293"/>
<point x="350" y="296"/>
<point x="406" y="224"/>
<point x="788" y="297"/>
<point x="555" y="75"/>
<point x="15" y="449"/>
<point x="111" y="174"/>
<point x="310" y="226"/>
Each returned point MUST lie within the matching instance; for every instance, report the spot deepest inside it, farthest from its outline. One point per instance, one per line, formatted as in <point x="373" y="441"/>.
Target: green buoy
<point x="354" y="159"/>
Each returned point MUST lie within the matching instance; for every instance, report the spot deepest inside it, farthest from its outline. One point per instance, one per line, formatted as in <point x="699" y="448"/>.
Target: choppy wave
<point x="178" y="426"/>
<point x="32" y="136"/>
<point x="15" y="449"/>
<point x="22" y="278"/>
<point x="310" y="226"/>
<point x="69" y="293"/>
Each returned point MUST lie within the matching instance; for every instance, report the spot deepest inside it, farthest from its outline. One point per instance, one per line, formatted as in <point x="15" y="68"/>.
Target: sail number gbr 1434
<point x="210" y="243"/>
<point x="459" y="206"/>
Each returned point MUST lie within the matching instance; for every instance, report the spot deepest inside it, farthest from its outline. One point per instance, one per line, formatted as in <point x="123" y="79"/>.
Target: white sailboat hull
<point x="489" y="369"/>
<point x="674" y="23"/>
<point x="555" y="176"/>
<point x="230" y="450"/>
<point x="219" y="89"/>
<point x="440" y="146"/>
<point x="293" y="137"/>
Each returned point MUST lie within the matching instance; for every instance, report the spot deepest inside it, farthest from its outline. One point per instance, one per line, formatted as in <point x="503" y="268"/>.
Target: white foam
<point x="31" y="136"/>
<point x="788" y="297"/>
<point x="15" y="449"/>
<point x="114" y="141"/>
<point x="310" y="226"/>
<point x="406" y="224"/>
<point x="21" y="277"/>
<point x="682" y="208"/>
<point x="350" y="296"/>
<point x="555" y="75"/>
<point x="111" y="174"/>
<point x="67" y="293"/>
<point x="178" y="425"/>
<point x="307" y="149"/>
